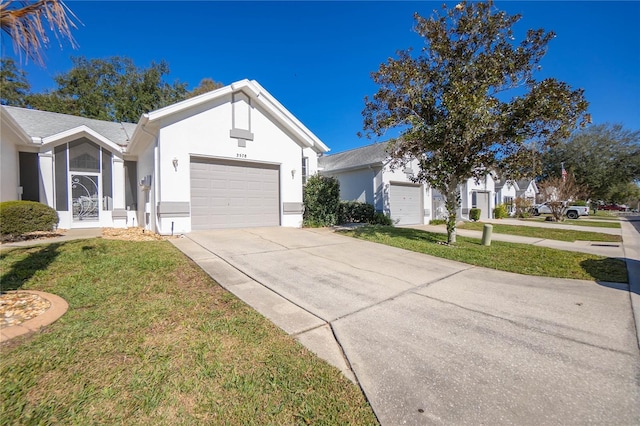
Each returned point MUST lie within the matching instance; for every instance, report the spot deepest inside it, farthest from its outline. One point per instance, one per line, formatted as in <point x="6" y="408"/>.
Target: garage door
<point x="405" y="203"/>
<point x="232" y="194"/>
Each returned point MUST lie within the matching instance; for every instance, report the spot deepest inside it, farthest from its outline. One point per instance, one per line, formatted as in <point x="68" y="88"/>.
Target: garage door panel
<point x="227" y="194"/>
<point x="405" y="203"/>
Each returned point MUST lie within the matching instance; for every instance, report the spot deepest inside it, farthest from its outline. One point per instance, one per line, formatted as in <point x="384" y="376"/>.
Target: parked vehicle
<point x="614" y="207"/>
<point x="572" y="212"/>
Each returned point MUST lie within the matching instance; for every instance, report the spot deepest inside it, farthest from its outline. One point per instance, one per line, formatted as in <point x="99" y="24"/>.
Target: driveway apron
<point x="432" y="341"/>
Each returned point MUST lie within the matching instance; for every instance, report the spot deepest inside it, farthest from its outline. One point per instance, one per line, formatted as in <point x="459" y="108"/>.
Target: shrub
<point x="380" y="218"/>
<point x="321" y="201"/>
<point x="523" y="207"/>
<point x="437" y="222"/>
<point x="22" y="217"/>
<point x="579" y="203"/>
<point x="474" y="214"/>
<point x="500" y="211"/>
<point x="355" y="212"/>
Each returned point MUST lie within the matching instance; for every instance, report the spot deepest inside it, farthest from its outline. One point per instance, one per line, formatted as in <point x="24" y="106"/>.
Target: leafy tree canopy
<point x="14" y="86"/>
<point x="467" y="101"/>
<point x="604" y="158"/>
<point x="206" y="85"/>
<point x="112" y="89"/>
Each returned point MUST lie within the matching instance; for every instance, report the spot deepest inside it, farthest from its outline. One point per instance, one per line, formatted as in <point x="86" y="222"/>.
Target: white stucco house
<point x="365" y="175"/>
<point x="528" y="190"/>
<point x="233" y="157"/>
<point x="506" y="193"/>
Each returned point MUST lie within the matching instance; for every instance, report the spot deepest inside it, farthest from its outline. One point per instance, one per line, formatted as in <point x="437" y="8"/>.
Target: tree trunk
<point x="452" y="202"/>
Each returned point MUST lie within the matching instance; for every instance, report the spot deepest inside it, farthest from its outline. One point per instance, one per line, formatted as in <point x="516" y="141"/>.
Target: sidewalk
<point x="70" y="234"/>
<point x="597" y="248"/>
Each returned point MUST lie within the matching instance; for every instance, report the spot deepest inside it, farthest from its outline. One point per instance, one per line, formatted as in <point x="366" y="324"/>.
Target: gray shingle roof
<point x="364" y="156"/>
<point x="40" y="124"/>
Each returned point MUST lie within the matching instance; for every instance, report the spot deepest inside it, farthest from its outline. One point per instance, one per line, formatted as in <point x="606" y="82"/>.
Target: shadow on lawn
<point x="38" y="258"/>
<point x="408" y="233"/>
<point x="607" y="270"/>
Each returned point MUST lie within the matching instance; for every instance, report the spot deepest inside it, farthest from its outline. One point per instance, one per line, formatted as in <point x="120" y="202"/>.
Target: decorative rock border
<point x="58" y="307"/>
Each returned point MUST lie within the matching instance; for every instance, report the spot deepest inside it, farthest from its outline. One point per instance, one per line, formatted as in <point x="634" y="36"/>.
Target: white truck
<point x="572" y="212"/>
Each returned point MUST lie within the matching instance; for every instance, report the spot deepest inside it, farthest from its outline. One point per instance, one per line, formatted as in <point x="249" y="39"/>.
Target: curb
<point x="58" y="308"/>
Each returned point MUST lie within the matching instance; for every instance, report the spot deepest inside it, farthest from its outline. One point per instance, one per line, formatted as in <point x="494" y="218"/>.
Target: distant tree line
<point x="112" y="89"/>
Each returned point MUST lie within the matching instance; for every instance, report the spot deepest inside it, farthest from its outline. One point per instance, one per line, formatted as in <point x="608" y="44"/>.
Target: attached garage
<point x="405" y="202"/>
<point x="234" y="194"/>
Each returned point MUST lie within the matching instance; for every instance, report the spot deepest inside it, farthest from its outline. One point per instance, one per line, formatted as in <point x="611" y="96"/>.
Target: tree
<point x="206" y="85"/>
<point x="14" y="86"/>
<point x="558" y="192"/>
<point x="112" y="89"/>
<point x="24" y="23"/>
<point x="602" y="157"/>
<point x="468" y="101"/>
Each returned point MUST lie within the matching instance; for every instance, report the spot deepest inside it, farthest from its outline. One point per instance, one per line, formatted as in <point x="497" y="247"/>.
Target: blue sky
<point x="316" y="57"/>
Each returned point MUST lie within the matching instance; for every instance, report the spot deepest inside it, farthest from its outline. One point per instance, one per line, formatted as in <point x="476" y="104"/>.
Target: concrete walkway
<point x="432" y="341"/>
<point x="69" y="235"/>
<point x="607" y="249"/>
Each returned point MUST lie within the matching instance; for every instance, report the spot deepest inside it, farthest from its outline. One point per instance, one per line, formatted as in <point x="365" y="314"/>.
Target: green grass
<point x="545" y="233"/>
<point x="149" y="338"/>
<point x="608" y="223"/>
<point x="520" y="258"/>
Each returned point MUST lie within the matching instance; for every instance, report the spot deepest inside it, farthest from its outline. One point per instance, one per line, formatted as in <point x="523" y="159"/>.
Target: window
<point x="508" y="201"/>
<point x="305" y="169"/>
<point x="474" y="199"/>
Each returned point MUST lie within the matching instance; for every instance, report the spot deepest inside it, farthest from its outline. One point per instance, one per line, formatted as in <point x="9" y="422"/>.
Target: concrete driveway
<point x="432" y="341"/>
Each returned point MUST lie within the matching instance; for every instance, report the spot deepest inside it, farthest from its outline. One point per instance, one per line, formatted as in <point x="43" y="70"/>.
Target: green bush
<point x="474" y="214"/>
<point x="355" y="212"/>
<point x="380" y="218"/>
<point x="321" y="201"/>
<point x="22" y="217"/>
<point x="437" y="222"/>
<point x="579" y="203"/>
<point x="500" y="211"/>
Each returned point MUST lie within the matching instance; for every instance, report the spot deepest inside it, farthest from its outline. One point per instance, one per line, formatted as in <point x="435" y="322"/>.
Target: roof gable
<point x="42" y="125"/>
<point x="256" y="93"/>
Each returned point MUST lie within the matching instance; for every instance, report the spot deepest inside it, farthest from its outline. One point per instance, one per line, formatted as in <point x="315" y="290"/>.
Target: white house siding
<point x="486" y="185"/>
<point x="501" y="195"/>
<point x="146" y="194"/>
<point x="358" y="185"/>
<point x="398" y="175"/>
<point x="9" y="166"/>
<point x="206" y="134"/>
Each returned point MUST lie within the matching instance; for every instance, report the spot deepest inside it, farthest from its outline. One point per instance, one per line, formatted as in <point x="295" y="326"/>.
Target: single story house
<point x="365" y="174"/>
<point x="233" y="157"/>
<point x="528" y="190"/>
<point x="506" y="193"/>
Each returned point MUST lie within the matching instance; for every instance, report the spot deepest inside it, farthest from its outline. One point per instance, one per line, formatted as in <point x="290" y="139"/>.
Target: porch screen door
<point x="85" y="197"/>
<point x="85" y="180"/>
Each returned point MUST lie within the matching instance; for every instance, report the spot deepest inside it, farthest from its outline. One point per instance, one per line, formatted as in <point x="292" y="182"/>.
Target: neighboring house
<point x="478" y="195"/>
<point x="528" y="190"/>
<point x="233" y="157"/>
<point x="506" y="193"/>
<point x="365" y="175"/>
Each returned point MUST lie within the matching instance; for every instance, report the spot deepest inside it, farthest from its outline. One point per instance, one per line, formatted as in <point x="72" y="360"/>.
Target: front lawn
<point x="150" y="339"/>
<point x="545" y="233"/>
<point x="609" y="222"/>
<point x="520" y="258"/>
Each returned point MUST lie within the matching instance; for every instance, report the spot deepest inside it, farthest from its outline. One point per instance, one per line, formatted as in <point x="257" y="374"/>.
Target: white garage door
<point x="232" y="194"/>
<point x="405" y="203"/>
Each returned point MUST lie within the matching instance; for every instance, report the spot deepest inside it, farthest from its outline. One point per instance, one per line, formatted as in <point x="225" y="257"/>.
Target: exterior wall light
<point x="175" y="163"/>
<point x="293" y="173"/>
